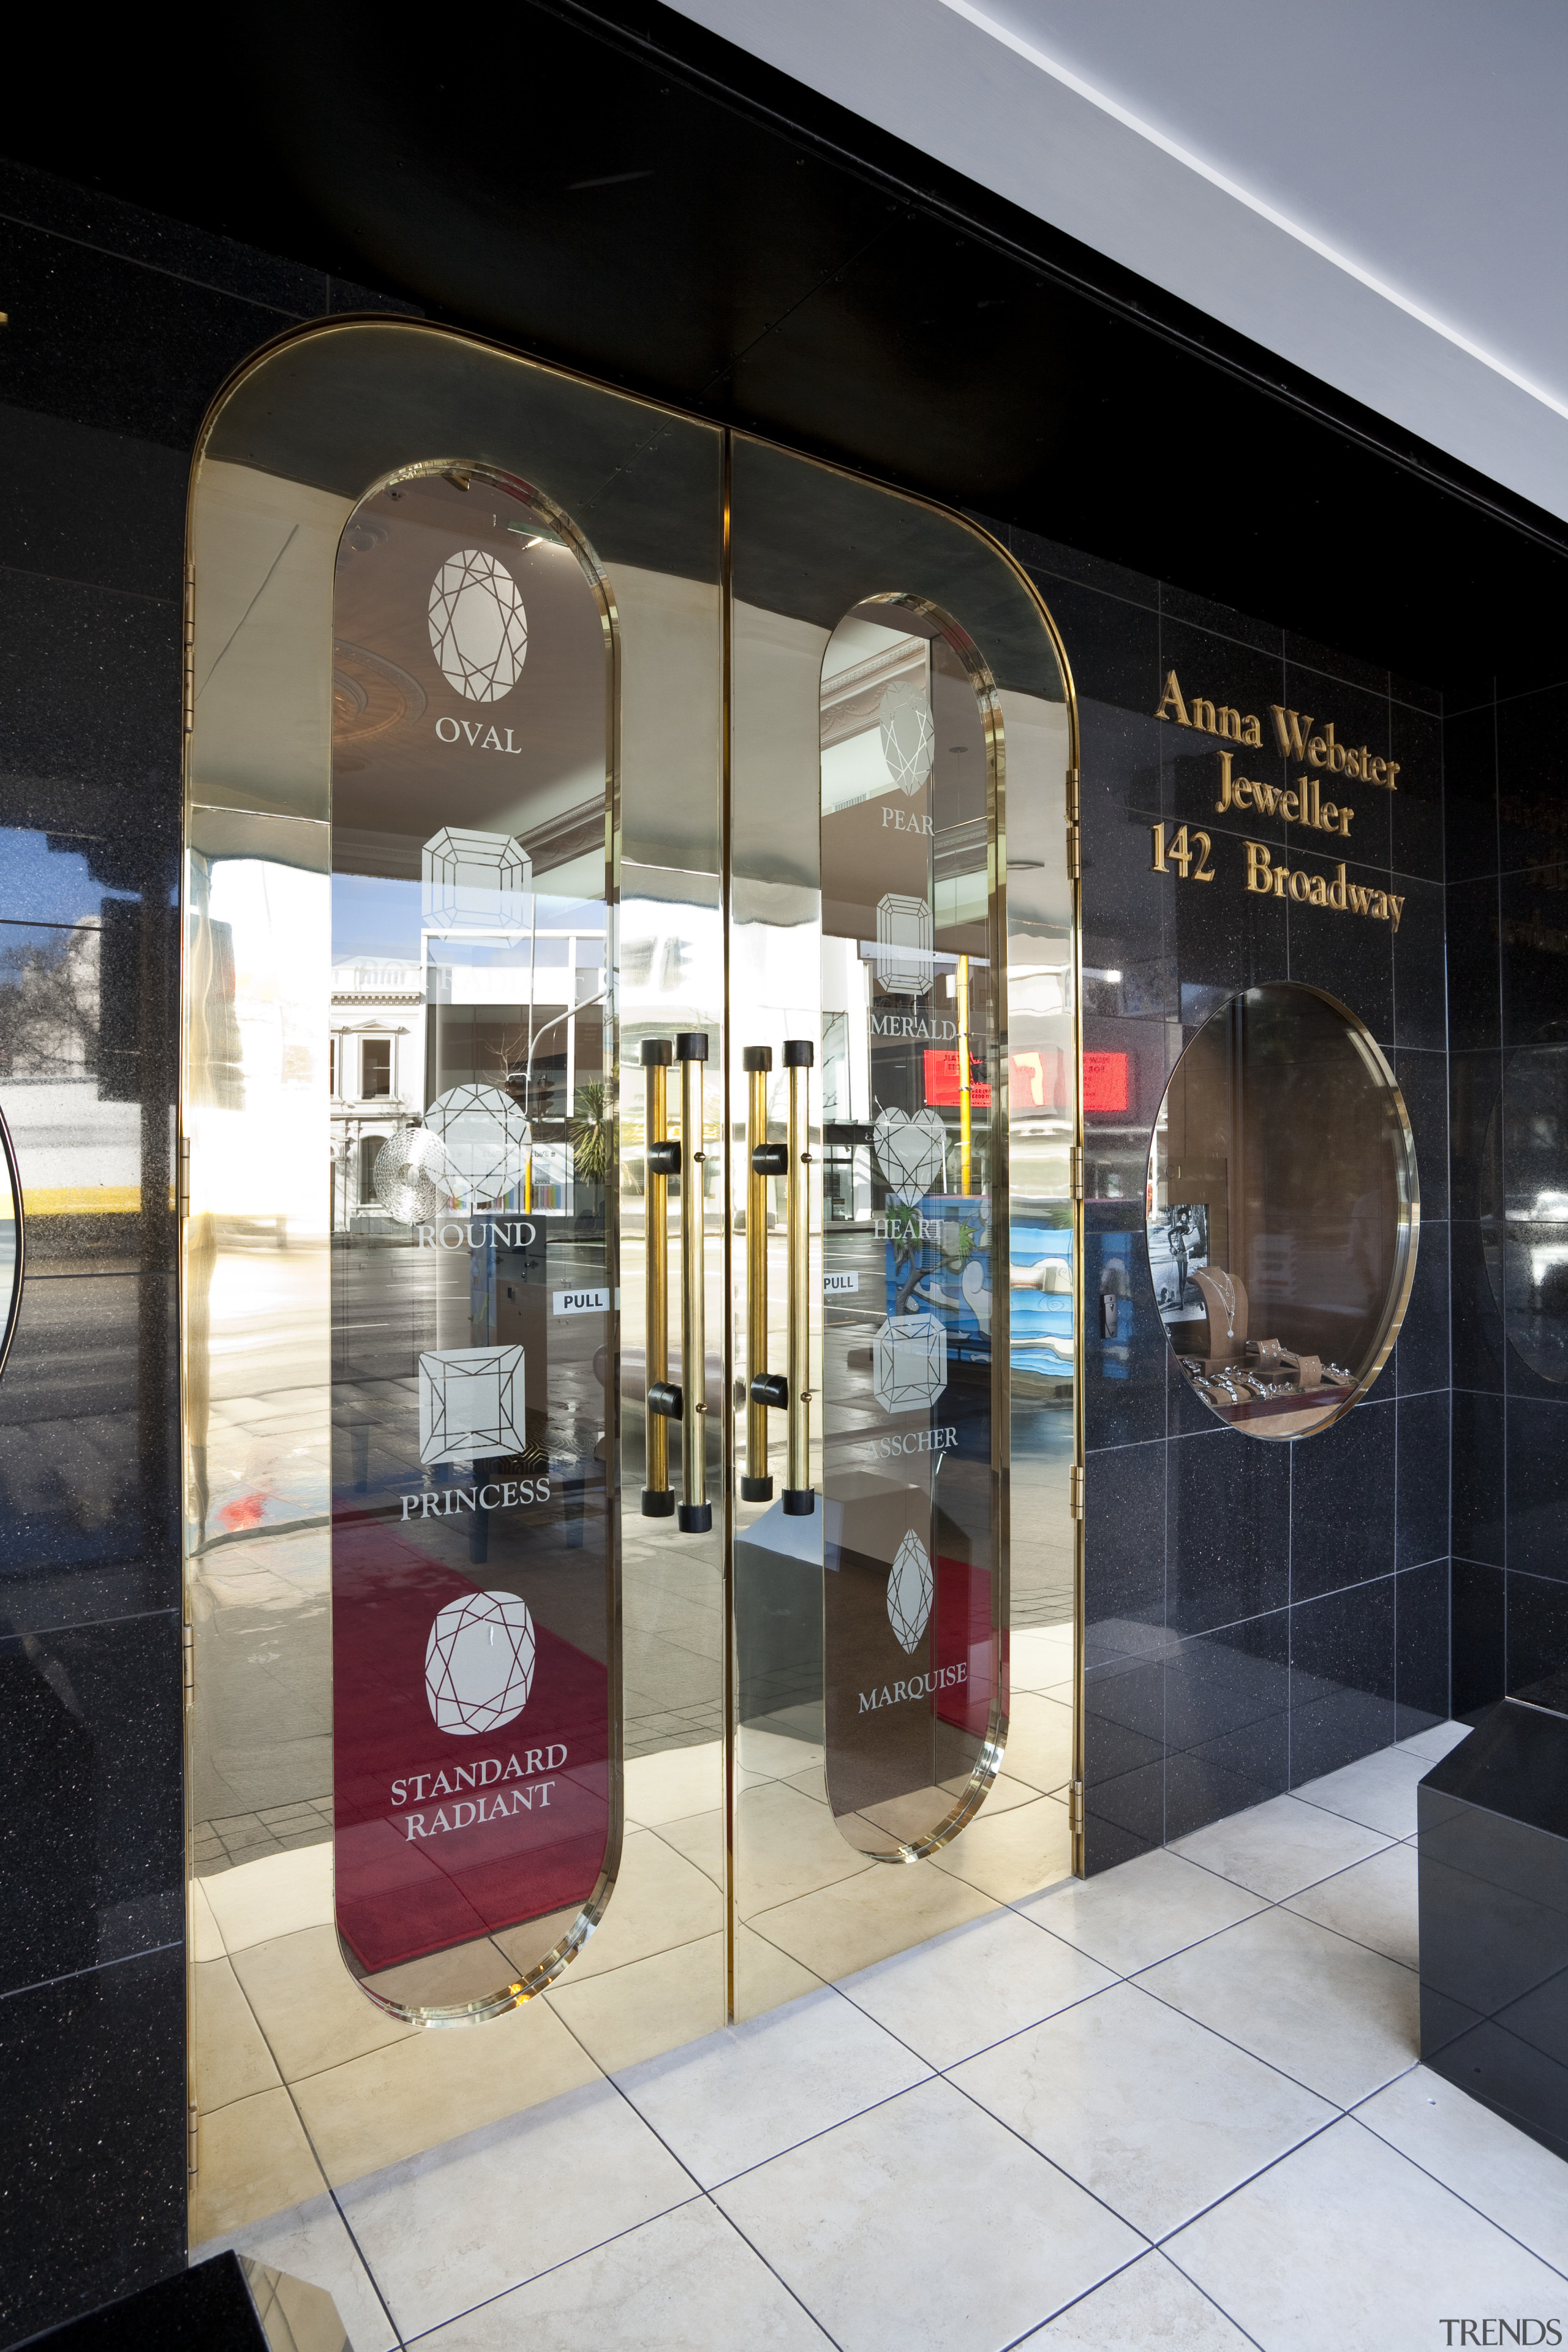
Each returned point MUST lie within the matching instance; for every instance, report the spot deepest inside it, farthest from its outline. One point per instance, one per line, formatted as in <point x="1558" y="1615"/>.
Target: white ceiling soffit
<point x="1373" y="189"/>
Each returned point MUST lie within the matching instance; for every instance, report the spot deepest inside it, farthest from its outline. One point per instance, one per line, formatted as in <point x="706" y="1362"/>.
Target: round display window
<point x="1524" y="1206"/>
<point x="1282" y="1211"/>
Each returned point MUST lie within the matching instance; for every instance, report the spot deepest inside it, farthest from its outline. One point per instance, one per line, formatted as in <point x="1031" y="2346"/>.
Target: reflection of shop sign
<point x="1186" y="852"/>
<point x="581" y="1302"/>
<point x="918" y="1686"/>
<point x="834" y="1285"/>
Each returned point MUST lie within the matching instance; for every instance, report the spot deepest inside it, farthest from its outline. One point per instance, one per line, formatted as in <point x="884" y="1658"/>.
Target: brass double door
<point x="630" y="1073"/>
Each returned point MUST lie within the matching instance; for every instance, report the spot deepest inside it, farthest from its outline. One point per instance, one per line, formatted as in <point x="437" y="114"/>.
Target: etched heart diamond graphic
<point x="910" y="1591"/>
<point x="911" y="1152"/>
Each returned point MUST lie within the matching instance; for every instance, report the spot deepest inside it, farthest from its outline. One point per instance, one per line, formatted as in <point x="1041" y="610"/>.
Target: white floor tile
<point x="973" y="1986"/>
<point x="1277" y="1849"/>
<point x="1378" y="1790"/>
<point x="1342" y="2020"/>
<point x="464" y="2221"/>
<point x="1435" y="1745"/>
<point x="1346" y="2243"/>
<point x="736" y="2098"/>
<point x="1141" y="1911"/>
<point x="925" y="2223"/>
<point x="1156" y="2115"/>
<point x="686" y="2282"/>
<point x="1516" y="2182"/>
<point x="1148" y="2305"/>
<point x="311" y="2242"/>
<point x="1375" y="1902"/>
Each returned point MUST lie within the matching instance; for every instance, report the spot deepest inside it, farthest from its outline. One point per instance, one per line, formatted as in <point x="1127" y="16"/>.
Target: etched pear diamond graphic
<point x="903" y="958"/>
<point x="909" y="1362"/>
<point x="908" y="737"/>
<point x="479" y="1663"/>
<point x="911" y="1152"/>
<point x="478" y="630"/>
<point x="910" y="1591"/>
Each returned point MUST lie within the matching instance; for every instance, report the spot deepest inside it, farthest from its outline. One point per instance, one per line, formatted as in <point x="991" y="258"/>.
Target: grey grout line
<point x="1354" y="2115"/>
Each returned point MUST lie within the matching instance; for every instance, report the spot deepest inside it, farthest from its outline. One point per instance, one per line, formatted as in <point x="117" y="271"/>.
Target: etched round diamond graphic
<point x="910" y="1591"/>
<point x="485" y="1138"/>
<point x="908" y="737"/>
<point x="478" y="630"/>
<point x="479" y="1663"/>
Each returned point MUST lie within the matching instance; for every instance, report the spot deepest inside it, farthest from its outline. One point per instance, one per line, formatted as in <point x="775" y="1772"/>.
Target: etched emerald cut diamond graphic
<point x="903" y="958"/>
<point x="470" y="1403"/>
<point x="910" y="1591"/>
<point x="474" y="881"/>
<point x="908" y="737"/>
<point x="909" y="1362"/>
<point x="479" y="1663"/>
<point x="478" y="630"/>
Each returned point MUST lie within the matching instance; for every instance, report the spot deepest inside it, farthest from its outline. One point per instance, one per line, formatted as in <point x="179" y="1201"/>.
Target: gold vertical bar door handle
<point x="695" y="1515"/>
<point x="799" y="1501"/>
<point x="757" y="1483"/>
<point x="663" y="1159"/>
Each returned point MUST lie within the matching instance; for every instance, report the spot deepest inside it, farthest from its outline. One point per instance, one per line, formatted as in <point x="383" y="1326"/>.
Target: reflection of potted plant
<point x="590" y="1134"/>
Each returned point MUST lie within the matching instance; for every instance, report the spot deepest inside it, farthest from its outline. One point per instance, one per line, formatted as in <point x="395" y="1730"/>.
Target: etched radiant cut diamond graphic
<point x="903" y="945"/>
<point x="910" y="1591"/>
<point x="478" y="630"/>
<point x="908" y="737"/>
<point x="478" y="1662"/>
<point x="909" y="1362"/>
<point x="911" y="1152"/>
<point x="470" y="1403"/>
<point x="485" y="1138"/>
<point x="474" y="881"/>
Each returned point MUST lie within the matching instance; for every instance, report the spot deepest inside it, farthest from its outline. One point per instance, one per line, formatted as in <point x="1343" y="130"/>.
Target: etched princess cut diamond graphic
<point x="478" y="630"/>
<point x="908" y="737"/>
<point x="470" y="1403"/>
<point x="910" y="1591"/>
<point x="903" y="957"/>
<point x="911" y="1152"/>
<point x="485" y="1138"/>
<point x="479" y="1663"/>
<point x="909" y="1362"/>
<point x="474" y="881"/>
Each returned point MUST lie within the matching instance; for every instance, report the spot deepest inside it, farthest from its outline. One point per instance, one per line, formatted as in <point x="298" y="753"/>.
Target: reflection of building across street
<point x="377" y="1075"/>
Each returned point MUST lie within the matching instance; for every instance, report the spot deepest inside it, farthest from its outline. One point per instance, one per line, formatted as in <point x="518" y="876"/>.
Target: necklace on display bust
<point x="1226" y="1289"/>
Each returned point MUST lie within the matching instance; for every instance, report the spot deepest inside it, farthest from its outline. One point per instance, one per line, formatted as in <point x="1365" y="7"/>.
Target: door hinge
<point x="1075" y="857"/>
<point x="1074" y="1490"/>
<point x="1075" y="1816"/>
<point x="188" y="1665"/>
<point x="183" y="1179"/>
<point x="1073" y="811"/>
<point x="192" y="2140"/>
<point x="188" y="653"/>
<point x="1075" y="1170"/>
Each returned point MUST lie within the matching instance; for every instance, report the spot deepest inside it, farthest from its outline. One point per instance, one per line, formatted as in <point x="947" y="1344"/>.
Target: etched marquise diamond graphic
<point x="909" y="1362"/>
<point x="478" y="630"/>
<point x="479" y="1663"/>
<point x="910" y="1591"/>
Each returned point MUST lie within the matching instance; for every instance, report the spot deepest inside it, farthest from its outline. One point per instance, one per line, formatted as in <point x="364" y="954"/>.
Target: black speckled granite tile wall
<point x="1293" y="1613"/>
<point x="121" y="327"/>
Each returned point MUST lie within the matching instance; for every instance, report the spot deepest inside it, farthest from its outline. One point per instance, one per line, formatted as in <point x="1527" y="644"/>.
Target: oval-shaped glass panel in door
<point x="912" y="1024"/>
<point x="475" y="1677"/>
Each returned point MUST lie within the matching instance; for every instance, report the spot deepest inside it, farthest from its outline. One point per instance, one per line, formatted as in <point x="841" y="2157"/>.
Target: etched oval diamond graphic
<point x="909" y="1592"/>
<point x="478" y="630"/>
<point x="479" y="1663"/>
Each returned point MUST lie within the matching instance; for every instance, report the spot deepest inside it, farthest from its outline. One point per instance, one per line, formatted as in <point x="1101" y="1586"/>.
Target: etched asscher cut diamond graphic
<point x="478" y="630"/>
<point x="903" y="958"/>
<point x="909" y="1362"/>
<point x="474" y="881"/>
<point x="908" y="737"/>
<point x="470" y="1404"/>
<point x="910" y="1592"/>
<point x="479" y="1663"/>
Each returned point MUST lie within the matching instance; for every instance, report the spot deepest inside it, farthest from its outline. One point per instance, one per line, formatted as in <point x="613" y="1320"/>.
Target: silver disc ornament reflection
<point x="410" y="1176"/>
<point x="474" y="1145"/>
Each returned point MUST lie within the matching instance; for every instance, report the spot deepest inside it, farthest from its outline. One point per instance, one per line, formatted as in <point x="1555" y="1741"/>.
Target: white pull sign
<point x="581" y="1302"/>
<point x="834" y="1285"/>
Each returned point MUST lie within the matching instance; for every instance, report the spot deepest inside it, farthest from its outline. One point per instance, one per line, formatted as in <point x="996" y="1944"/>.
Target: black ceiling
<point x="616" y="188"/>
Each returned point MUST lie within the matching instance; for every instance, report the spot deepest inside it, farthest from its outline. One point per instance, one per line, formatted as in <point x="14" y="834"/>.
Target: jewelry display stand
<point x="1246" y="1380"/>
